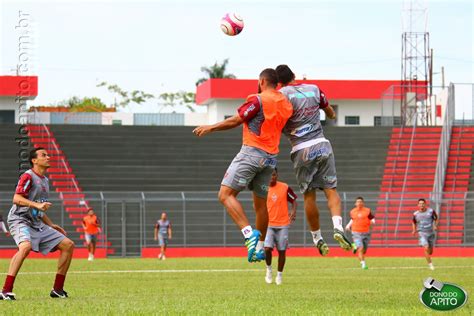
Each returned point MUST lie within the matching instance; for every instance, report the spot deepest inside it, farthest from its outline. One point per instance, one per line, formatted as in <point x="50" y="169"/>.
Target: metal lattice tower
<point x="416" y="64"/>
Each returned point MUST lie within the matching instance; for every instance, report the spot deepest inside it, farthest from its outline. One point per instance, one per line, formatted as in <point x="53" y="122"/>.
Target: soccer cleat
<point x="322" y="247"/>
<point x="7" y="296"/>
<point x="268" y="276"/>
<point x="259" y="256"/>
<point x="365" y="267"/>
<point x="278" y="280"/>
<point x="58" y="294"/>
<point x="342" y="239"/>
<point x="431" y="266"/>
<point x="163" y="257"/>
<point x="251" y="244"/>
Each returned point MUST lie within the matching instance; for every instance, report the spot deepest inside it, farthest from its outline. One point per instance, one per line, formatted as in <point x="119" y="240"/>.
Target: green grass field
<point x="316" y="286"/>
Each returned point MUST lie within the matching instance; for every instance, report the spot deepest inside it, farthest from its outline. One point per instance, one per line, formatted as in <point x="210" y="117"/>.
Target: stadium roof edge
<point x="335" y="89"/>
<point x="15" y="86"/>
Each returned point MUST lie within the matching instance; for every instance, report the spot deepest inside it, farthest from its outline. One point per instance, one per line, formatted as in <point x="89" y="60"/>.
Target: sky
<point x="160" y="46"/>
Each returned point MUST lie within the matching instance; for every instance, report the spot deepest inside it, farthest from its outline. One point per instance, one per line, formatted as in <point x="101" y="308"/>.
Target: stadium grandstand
<point x="130" y="174"/>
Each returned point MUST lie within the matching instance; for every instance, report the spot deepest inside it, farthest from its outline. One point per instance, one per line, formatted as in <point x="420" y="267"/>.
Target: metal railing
<point x="198" y="219"/>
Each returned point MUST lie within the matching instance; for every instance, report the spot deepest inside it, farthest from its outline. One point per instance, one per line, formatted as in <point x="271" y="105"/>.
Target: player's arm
<point x="291" y="197"/>
<point x="50" y="223"/>
<point x="156" y="232"/>
<point x="228" y="123"/>
<point x="4" y="228"/>
<point x="246" y="112"/>
<point x="21" y="192"/>
<point x="372" y="218"/>
<point x="349" y="225"/>
<point x="413" y="224"/>
<point x="170" y="232"/>
<point x="436" y="221"/>
<point x="84" y="225"/>
<point x="324" y="105"/>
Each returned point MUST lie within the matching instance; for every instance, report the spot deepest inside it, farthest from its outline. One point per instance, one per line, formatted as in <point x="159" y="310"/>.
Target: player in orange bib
<point x="91" y="226"/>
<point x="263" y="116"/>
<point x="361" y="220"/>
<point x="279" y="219"/>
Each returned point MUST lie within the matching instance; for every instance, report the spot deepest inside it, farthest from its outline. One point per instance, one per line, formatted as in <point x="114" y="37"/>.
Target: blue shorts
<point x="90" y="238"/>
<point x="361" y="239"/>
<point x="277" y="236"/>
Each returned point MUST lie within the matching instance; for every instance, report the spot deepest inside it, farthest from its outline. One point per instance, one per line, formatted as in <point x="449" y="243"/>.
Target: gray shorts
<point x="426" y="239"/>
<point x="162" y="240"/>
<point x="42" y="240"/>
<point x="277" y="236"/>
<point x="315" y="167"/>
<point x="251" y="168"/>
<point x="361" y="239"/>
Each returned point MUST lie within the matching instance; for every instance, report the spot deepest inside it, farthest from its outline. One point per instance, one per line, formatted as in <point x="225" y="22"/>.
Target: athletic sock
<point x="279" y="274"/>
<point x="247" y="231"/>
<point x="269" y="268"/>
<point x="316" y="235"/>
<point x="362" y="263"/>
<point x="259" y="246"/>
<point x="59" y="282"/>
<point x="337" y="222"/>
<point x="8" y="286"/>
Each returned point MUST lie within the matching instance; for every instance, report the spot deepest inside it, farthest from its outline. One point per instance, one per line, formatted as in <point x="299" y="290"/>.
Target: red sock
<point x="59" y="282"/>
<point x="8" y="286"/>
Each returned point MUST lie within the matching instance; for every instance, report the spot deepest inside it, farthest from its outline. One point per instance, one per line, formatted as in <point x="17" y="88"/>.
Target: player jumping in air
<point x="263" y="116"/>
<point x="311" y="153"/>
<point x="32" y="229"/>
<point x="279" y="219"/>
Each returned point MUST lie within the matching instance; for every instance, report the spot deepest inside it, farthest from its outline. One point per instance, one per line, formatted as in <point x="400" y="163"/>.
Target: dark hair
<point x="359" y="198"/>
<point x="284" y="73"/>
<point x="34" y="154"/>
<point x="419" y="200"/>
<point x="270" y="75"/>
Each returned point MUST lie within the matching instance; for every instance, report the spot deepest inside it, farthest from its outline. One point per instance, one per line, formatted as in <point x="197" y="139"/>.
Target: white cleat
<point x="91" y="257"/>
<point x="268" y="277"/>
<point x="431" y="266"/>
<point x="278" y="280"/>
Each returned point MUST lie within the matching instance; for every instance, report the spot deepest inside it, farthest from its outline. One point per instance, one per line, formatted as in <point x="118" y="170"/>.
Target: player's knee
<point x="24" y="249"/>
<point x="222" y="196"/>
<point x="68" y="245"/>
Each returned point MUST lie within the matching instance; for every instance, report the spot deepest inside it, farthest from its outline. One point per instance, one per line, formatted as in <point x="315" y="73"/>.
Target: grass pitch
<point x="316" y="286"/>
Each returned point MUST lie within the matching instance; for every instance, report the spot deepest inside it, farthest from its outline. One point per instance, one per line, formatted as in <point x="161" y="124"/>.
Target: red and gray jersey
<point x="163" y="226"/>
<point x="304" y="124"/>
<point x="424" y="220"/>
<point x="34" y="188"/>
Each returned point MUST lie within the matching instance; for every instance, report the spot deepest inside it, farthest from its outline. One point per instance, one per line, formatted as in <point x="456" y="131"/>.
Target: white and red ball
<point x="232" y="24"/>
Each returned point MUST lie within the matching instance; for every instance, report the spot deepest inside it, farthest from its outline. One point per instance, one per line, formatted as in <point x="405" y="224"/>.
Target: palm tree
<point x="216" y="71"/>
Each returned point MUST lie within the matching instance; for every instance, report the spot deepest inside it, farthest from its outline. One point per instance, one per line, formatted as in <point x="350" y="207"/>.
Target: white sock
<point x="259" y="246"/>
<point x="316" y="235"/>
<point x="337" y="222"/>
<point x="362" y="262"/>
<point x="269" y="268"/>
<point x="279" y="274"/>
<point x="247" y="231"/>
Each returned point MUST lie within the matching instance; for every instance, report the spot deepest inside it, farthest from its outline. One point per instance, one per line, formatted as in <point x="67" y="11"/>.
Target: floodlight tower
<point x="416" y="64"/>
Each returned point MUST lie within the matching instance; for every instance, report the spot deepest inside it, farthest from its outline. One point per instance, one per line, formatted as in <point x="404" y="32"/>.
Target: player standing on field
<point x="425" y="222"/>
<point x="32" y="229"/>
<point x="163" y="232"/>
<point x="361" y="219"/>
<point x="263" y="116"/>
<point x="91" y="226"/>
<point x="311" y="154"/>
<point x="279" y="219"/>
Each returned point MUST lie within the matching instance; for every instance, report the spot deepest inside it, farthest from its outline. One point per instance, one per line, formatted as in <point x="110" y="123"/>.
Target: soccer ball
<point x="232" y="24"/>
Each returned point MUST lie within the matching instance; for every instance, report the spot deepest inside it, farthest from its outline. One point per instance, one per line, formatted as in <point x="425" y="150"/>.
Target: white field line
<point x="235" y="270"/>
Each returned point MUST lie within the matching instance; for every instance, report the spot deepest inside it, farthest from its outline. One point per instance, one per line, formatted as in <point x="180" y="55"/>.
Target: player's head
<point x="285" y="75"/>
<point x="90" y="211"/>
<point x="274" y="179"/>
<point x="164" y="216"/>
<point x="359" y="202"/>
<point x="421" y="204"/>
<point x="267" y="79"/>
<point x="39" y="157"/>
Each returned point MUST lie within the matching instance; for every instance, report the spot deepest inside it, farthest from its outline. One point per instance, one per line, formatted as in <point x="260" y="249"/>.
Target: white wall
<point x="218" y="109"/>
<point x="195" y="119"/>
<point x="109" y="117"/>
<point x="365" y="109"/>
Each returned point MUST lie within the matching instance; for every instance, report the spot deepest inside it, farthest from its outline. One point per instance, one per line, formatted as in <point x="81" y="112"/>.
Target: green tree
<point x="216" y="71"/>
<point x="126" y="97"/>
<point x="86" y="104"/>
<point x="172" y="99"/>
